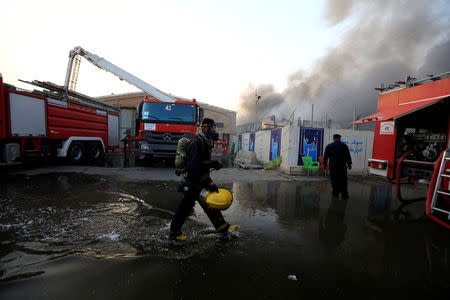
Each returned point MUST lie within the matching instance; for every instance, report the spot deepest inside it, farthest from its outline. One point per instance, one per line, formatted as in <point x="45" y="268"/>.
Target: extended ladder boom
<point x="107" y="66"/>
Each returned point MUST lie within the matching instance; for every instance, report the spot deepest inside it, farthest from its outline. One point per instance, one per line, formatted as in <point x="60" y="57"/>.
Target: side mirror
<point x="139" y="111"/>
<point x="201" y="115"/>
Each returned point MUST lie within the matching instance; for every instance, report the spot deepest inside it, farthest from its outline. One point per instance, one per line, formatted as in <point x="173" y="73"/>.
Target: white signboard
<point x="149" y="126"/>
<point x="387" y="127"/>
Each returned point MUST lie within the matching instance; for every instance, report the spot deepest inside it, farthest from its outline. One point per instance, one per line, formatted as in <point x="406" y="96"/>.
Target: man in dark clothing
<point x="340" y="160"/>
<point x="196" y="178"/>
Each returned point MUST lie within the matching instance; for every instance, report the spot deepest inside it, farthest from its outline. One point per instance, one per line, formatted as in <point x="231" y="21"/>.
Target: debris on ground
<point x="250" y="166"/>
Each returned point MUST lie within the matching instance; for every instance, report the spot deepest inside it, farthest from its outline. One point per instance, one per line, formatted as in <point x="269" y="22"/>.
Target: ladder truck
<point x="161" y="118"/>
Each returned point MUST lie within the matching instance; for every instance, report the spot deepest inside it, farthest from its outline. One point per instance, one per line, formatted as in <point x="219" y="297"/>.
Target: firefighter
<point x="196" y="178"/>
<point x="340" y="160"/>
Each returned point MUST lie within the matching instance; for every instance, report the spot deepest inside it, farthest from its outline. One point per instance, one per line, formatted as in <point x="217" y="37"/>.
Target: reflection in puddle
<point x="332" y="227"/>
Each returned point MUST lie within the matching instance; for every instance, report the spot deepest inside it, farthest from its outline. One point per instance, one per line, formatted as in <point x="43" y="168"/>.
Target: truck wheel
<point x="76" y="152"/>
<point x="94" y="152"/>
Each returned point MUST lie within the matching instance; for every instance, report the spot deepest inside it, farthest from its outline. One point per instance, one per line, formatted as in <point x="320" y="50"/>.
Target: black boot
<point x="177" y="236"/>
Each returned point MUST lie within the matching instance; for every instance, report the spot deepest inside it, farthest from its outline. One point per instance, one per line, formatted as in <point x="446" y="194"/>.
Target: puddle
<point x="286" y="228"/>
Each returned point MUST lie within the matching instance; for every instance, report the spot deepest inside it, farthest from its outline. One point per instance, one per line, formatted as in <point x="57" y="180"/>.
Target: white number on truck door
<point x="168" y="107"/>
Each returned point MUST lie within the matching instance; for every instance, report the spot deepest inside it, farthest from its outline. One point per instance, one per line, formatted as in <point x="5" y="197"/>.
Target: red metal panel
<point x="182" y="128"/>
<point x="76" y="120"/>
<point x="76" y="115"/>
<point x="68" y="118"/>
<point x="438" y="88"/>
<point x="386" y="101"/>
<point x="384" y="148"/>
<point x="176" y="128"/>
<point x="399" y="110"/>
<point x="68" y="132"/>
<point x="63" y="123"/>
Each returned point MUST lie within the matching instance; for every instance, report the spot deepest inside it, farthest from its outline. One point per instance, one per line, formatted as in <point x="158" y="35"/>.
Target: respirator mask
<point x="212" y="132"/>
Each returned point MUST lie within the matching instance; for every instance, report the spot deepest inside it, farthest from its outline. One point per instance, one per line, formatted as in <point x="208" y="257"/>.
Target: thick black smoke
<point x="389" y="40"/>
<point x="249" y="107"/>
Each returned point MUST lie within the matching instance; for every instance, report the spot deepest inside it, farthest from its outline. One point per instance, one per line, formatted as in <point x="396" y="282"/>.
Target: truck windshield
<point x="158" y="112"/>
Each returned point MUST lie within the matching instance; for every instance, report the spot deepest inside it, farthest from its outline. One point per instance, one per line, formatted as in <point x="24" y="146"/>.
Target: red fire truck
<point x="162" y="119"/>
<point x="161" y="124"/>
<point x="412" y="127"/>
<point x="54" y="123"/>
<point x="412" y="137"/>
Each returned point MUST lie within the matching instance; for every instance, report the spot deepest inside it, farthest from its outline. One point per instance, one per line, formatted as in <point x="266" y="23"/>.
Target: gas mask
<point x="211" y="133"/>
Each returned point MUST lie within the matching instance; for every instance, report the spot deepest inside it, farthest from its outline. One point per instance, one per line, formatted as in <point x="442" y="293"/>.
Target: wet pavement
<point x="78" y="236"/>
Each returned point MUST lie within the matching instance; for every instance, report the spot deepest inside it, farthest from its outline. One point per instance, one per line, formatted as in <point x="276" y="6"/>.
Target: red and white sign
<point x="387" y="127"/>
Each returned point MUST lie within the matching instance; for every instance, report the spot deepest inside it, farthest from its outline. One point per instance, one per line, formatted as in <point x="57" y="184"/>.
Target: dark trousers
<point x="185" y="206"/>
<point x="338" y="178"/>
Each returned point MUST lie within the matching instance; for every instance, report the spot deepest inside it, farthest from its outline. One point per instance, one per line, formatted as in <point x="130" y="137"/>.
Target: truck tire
<point x="76" y="152"/>
<point x="94" y="152"/>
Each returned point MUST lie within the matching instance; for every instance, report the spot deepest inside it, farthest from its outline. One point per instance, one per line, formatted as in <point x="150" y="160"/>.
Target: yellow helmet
<point x="221" y="200"/>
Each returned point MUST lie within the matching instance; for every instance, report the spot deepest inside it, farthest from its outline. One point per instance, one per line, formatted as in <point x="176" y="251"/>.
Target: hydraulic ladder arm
<point x="72" y="73"/>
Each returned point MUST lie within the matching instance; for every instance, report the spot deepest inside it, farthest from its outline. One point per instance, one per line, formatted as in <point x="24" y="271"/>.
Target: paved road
<point x="225" y="175"/>
<point x="168" y="174"/>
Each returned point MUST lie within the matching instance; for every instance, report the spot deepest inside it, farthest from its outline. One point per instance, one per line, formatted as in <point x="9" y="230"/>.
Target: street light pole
<point x="256" y="109"/>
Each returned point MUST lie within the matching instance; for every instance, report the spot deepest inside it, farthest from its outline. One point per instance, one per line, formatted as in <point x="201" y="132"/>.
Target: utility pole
<point x="256" y="109"/>
<point x="312" y="115"/>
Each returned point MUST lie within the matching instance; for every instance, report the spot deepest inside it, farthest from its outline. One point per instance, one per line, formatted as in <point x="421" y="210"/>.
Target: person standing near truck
<point x="197" y="177"/>
<point x="340" y="160"/>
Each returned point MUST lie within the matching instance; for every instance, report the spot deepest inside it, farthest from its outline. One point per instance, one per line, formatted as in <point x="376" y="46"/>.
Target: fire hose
<point x="398" y="174"/>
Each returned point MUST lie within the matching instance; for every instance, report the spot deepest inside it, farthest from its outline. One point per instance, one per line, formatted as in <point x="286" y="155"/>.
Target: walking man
<point x="197" y="177"/>
<point x="340" y="160"/>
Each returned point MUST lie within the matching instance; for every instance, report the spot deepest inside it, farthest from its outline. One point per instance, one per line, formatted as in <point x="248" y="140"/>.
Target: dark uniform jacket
<point x="199" y="161"/>
<point x="338" y="154"/>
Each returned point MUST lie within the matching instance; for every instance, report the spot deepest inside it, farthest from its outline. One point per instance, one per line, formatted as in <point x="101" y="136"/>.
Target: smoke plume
<point x="389" y="40"/>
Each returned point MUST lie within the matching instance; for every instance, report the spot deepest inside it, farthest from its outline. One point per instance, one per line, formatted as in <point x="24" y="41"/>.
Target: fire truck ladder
<point x="74" y="72"/>
<point x="440" y="191"/>
<point x="74" y="65"/>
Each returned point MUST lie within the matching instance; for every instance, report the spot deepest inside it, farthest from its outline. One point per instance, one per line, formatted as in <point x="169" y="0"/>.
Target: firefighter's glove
<point x="216" y="165"/>
<point x="212" y="187"/>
